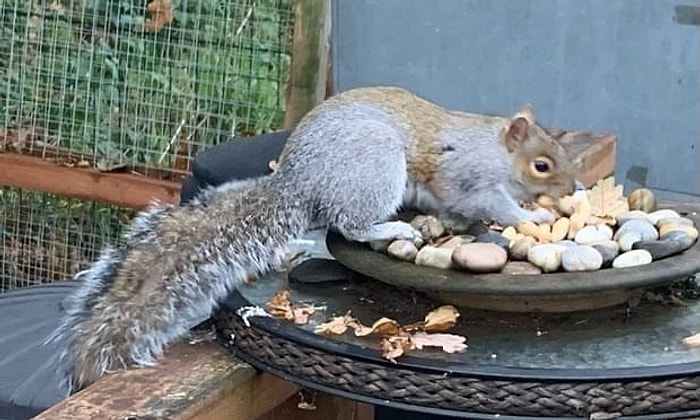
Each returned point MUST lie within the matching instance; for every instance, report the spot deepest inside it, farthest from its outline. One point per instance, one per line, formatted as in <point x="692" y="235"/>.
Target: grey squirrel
<point x="349" y="165"/>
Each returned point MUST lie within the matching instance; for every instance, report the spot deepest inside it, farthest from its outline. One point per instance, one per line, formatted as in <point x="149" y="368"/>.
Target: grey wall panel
<point x="623" y="66"/>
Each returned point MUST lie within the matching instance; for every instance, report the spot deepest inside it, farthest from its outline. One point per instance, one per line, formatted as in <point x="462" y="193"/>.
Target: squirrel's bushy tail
<point x="178" y="263"/>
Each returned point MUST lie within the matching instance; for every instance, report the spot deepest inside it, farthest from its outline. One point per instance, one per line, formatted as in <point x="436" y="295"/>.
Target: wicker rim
<point x="288" y="331"/>
<point x="454" y="395"/>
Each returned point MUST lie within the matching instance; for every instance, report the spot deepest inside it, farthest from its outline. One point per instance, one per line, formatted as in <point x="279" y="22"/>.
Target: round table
<point x="626" y="360"/>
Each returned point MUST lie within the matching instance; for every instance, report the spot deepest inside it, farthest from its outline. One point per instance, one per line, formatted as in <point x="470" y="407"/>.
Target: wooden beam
<point x="121" y="189"/>
<point x="593" y="153"/>
<point x="309" y="69"/>
<point x="198" y="381"/>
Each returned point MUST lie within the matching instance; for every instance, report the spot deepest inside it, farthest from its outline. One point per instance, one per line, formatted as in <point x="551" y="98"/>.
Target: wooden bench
<point x="202" y="381"/>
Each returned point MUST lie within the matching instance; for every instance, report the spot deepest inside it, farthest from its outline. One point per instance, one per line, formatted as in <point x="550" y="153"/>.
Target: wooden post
<point x="310" y="50"/>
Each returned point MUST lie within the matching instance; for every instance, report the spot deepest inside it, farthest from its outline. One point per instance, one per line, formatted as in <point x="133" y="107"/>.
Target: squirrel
<point x="350" y="164"/>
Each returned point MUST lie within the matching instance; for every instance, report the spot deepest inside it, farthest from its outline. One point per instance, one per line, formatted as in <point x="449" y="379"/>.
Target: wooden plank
<point x="309" y="69"/>
<point x="593" y="153"/>
<point x="121" y="189"/>
<point x="326" y="407"/>
<point x="190" y="382"/>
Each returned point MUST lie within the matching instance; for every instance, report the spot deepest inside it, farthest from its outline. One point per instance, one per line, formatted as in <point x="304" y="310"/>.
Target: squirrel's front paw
<point x="541" y="215"/>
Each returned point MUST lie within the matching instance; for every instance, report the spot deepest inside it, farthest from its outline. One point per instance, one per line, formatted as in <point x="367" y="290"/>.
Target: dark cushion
<point x="240" y="158"/>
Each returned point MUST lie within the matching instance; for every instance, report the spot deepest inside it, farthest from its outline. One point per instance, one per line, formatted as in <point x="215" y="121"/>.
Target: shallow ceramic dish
<point x="551" y="292"/>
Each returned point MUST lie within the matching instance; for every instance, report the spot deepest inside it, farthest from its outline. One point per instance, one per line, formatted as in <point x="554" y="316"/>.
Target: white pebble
<point x="546" y="256"/>
<point x="581" y="258"/>
<point x="657" y="215"/>
<point x="634" y="231"/>
<point x="592" y="234"/>
<point x="403" y="250"/>
<point x="632" y="258"/>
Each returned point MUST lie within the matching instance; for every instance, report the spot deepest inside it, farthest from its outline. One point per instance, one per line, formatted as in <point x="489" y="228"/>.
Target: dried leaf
<point x="607" y="199"/>
<point x="280" y="306"/>
<point x="441" y="319"/>
<point x="301" y="315"/>
<point x="161" y="15"/>
<point x="450" y="343"/>
<point x="395" y="347"/>
<point x="336" y="326"/>
<point x="692" y="341"/>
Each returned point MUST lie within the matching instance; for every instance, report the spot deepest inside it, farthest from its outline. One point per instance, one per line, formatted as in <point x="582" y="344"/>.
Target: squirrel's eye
<point x="541" y="166"/>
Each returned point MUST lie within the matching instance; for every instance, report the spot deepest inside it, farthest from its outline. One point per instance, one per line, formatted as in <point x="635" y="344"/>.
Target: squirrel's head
<point x="541" y="163"/>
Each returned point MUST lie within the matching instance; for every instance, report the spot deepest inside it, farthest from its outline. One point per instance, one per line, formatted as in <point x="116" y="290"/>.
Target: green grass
<point x="87" y="77"/>
<point x="96" y="83"/>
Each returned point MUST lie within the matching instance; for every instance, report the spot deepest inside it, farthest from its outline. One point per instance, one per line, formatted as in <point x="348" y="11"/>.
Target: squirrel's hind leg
<point x="361" y="206"/>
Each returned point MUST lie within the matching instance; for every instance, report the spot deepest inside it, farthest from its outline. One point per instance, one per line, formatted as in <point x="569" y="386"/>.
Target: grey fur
<point x="343" y="168"/>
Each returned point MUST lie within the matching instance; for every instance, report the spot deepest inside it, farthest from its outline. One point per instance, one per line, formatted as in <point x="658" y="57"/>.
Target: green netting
<point x="125" y="82"/>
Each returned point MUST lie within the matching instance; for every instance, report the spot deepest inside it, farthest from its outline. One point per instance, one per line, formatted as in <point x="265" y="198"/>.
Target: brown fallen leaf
<point x="441" y="319"/>
<point x="301" y="315"/>
<point x="692" y="341"/>
<point x="450" y="343"/>
<point x="336" y="326"/>
<point x="395" y="347"/>
<point x="161" y="15"/>
<point x="280" y="306"/>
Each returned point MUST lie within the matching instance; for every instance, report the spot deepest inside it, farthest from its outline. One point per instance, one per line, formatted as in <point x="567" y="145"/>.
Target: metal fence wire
<point x="119" y="83"/>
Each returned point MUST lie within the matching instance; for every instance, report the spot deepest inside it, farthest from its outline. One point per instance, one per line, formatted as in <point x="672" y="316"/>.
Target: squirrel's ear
<point x="526" y="112"/>
<point x="517" y="133"/>
<point x="519" y="128"/>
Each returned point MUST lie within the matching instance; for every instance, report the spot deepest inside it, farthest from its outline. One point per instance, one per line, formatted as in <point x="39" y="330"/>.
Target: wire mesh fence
<point x="117" y="83"/>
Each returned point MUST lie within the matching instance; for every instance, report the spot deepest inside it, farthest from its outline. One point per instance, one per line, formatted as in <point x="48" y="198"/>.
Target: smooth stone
<point x="479" y="257"/>
<point x="403" y="250"/>
<point x="657" y="215"/>
<point x="493" y="237"/>
<point x="520" y="268"/>
<point x="521" y="247"/>
<point x="642" y="199"/>
<point x="678" y="235"/>
<point x="591" y="234"/>
<point x="509" y="233"/>
<point x="690" y="230"/>
<point x="674" y="221"/>
<point x="567" y="243"/>
<point x="430" y="227"/>
<point x="431" y="256"/>
<point x="546" y="256"/>
<point x="581" y="258"/>
<point x="634" y="231"/>
<point x="632" y="258"/>
<point x="612" y="245"/>
<point x="626" y="216"/>
<point x="664" y="248"/>
<point x="456" y="241"/>
<point x="607" y="253"/>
